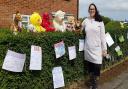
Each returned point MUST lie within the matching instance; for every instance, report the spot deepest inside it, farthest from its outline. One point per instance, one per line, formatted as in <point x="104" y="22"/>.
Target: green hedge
<point x="116" y="33"/>
<point x="73" y="70"/>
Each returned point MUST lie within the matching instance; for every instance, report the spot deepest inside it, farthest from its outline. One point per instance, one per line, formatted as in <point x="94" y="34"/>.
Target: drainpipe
<point x="77" y="9"/>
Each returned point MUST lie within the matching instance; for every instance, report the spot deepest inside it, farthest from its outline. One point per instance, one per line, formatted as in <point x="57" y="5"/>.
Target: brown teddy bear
<point x="15" y="26"/>
<point x="70" y="24"/>
<point x="78" y="26"/>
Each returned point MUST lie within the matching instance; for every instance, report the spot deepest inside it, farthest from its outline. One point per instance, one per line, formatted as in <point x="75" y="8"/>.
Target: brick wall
<point x="9" y="7"/>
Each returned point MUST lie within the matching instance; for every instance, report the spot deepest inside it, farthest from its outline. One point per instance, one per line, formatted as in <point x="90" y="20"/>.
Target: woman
<point x="95" y="44"/>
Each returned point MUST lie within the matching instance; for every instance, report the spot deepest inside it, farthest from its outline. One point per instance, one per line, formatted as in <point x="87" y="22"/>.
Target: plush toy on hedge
<point x="46" y="22"/>
<point x="58" y="21"/>
<point x="71" y="24"/>
<point x="77" y="26"/>
<point x="31" y="28"/>
<point x="35" y="20"/>
<point x="16" y="25"/>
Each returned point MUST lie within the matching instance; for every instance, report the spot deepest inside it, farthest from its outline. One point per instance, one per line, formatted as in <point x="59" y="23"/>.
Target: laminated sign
<point x="81" y="44"/>
<point x="109" y="39"/>
<point x="58" y="78"/>
<point x="14" y="61"/>
<point x="121" y="38"/>
<point x="59" y="49"/>
<point x="36" y="58"/>
<point x="72" y="52"/>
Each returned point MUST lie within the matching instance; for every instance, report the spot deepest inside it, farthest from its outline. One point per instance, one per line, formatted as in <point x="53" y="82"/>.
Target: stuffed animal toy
<point x="35" y="20"/>
<point x="46" y="22"/>
<point x="71" y="24"/>
<point x="17" y="21"/>
<point x="58" y="21"/>
<point x="31" y="28"/>
<point x="16" y="25"/>
<point x="77" y="26"/>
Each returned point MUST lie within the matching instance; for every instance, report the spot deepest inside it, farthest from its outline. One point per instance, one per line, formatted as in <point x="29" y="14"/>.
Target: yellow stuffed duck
<point x="35" y="20"/>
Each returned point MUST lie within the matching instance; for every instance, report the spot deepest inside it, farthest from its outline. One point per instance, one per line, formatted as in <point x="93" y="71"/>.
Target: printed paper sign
<point x="14" y="61"/>
<point x="109" y="39"/>
<point x="59" y="49"/>
<point x="119" y="53"/>
<point x="121" y="38"/>
<point x="58" y="79"/>
<point x="36" y="58"/>
<point x="117" y="48"/>
<point x="81" y="44"/>
<point x="122" y="25"/>
<point x="72" y="52"/>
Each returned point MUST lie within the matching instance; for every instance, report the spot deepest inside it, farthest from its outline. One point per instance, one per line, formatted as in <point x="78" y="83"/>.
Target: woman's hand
<point x="104" y="53"/>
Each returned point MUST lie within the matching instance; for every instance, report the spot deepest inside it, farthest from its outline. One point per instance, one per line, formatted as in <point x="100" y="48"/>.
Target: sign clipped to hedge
<point x="14" y="61"/>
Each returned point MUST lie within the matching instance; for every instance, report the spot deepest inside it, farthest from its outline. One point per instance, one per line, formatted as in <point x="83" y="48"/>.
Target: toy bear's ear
<point x="59" y="12"/>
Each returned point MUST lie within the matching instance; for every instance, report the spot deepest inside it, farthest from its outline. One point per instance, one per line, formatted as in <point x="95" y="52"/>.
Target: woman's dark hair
<point x="97" y="15"/>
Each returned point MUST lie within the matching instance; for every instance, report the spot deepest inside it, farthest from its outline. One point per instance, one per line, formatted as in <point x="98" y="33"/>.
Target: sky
<point x="115" y="9"/>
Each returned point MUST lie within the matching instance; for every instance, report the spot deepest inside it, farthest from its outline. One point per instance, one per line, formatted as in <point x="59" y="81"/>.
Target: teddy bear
<point x="35" y="20"/>
<point x="16" y="25"/>
<point x="77" y="26"/>
<point x="70" y="24"/>
<point x="17" y="21"/>
<point x="46" y="22"/>
<point x="58" y="21"/>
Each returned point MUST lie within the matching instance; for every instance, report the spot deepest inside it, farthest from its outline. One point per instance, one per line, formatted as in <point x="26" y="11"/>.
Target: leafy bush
<point x="106" y="19"/>
<point x="38" y="79"/>
<point x="73" y="70"/>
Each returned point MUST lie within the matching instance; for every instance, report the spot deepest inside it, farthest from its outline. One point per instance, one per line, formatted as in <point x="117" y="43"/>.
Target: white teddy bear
<point x="58" y="21"/>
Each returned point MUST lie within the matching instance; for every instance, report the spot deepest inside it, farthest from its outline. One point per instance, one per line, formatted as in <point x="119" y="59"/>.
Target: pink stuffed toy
<point x="46" y="22"/>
